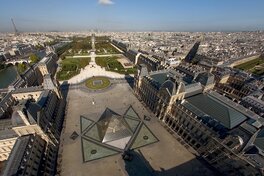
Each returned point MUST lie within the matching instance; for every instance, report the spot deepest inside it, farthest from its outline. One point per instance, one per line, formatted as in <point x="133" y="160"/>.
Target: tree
<point x="21" y="67"/>
<point x="34" y="58"/>
<point x="39" y="47"/>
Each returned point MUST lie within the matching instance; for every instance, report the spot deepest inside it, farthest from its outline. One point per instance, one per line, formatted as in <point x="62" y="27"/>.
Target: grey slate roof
<point x="259" y="142"/>
<point x="223" y="113"/>
<point x="28" y="89"/>
<point x="143" y="70"/>
<point x="205" y="78"/>
<point x="160" y="77"/>
<point x="170" y="86"/>
<point x="16" y="155"/>
<point x="43" y="98"/>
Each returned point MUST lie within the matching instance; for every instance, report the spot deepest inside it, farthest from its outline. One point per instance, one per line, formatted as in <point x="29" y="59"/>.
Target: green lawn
<point x="80" y="46"/>
<point x="105" y="48"/>
<point x="65" y="75"/>
<point x="252" y="66"/>
<point x="105" y="61"/>
<point x="259" y="71"/>
<point x="111" y="64"/>
<point x="82" y="43"/>
<point x="91" y="85"/>
<point x="81" y="62"/>
<point x="77" y="44"/>
<point x="71" y="67"/>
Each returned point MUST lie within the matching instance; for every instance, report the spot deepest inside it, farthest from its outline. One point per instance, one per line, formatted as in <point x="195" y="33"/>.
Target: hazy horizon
<point x="132" y="16"/>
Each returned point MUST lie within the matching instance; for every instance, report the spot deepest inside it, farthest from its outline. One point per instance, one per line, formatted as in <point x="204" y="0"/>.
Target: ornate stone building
<point x="27" y="156"/>
<point x="160" y="89"/>
<point x="222" y="132"/>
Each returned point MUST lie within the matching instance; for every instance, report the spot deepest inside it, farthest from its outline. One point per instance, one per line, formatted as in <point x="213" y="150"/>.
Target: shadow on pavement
<point x="130" y="80"/>
<point x="137" y="165"/>
<point x="64" y="87"/>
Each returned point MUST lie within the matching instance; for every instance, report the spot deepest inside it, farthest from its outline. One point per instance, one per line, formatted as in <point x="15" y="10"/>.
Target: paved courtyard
<point x="165" y="157"/>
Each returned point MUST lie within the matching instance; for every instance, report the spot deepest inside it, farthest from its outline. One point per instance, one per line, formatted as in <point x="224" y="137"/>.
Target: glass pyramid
<point x="111" y="126"/>
<point x="85" y="123"/>
<point x="113" y="133"/>
<point x="131" y="113"/>
<point x="132" y="123"/>
<point x="92" y="151"/>
<point x="93" y="133"/>
<point x="144" y="137"/>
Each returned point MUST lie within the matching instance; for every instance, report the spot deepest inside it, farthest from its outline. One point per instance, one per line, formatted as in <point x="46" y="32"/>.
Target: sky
<point x="132" y="15"/>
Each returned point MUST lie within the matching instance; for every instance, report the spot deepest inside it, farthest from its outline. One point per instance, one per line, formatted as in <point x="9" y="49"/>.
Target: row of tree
<point x="33" y="58"/>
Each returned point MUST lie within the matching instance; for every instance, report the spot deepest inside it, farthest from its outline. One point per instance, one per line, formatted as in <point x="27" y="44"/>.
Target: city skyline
<point x="117" y="15"/>
<point x="96" y="101"/>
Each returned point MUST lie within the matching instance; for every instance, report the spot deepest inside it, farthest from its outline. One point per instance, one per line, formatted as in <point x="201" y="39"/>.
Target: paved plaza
<point x="165" y="157"/>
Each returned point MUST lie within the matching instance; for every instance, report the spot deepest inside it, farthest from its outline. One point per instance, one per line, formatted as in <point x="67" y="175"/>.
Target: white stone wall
<point x="6" y="146"/>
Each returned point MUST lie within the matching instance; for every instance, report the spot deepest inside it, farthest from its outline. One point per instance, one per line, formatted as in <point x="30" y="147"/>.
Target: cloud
<point x="105" y="2"/>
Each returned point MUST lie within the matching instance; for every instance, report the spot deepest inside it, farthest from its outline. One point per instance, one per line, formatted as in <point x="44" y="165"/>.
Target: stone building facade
<point x="222" y="132"/>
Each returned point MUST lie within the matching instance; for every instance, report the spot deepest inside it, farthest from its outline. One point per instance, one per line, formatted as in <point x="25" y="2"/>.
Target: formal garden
<point x="255" y="66"/>
<point x="78" y="47"/>
<point x="105" y="48"/>
<point x="112" y="64"/>
<point x="82" y="46"/>
<point x="70" y="67"/>
<point x="74" y="56"/>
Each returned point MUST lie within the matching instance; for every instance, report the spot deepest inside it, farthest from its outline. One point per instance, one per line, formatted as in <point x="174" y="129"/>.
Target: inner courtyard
<point x="155" y="151"/>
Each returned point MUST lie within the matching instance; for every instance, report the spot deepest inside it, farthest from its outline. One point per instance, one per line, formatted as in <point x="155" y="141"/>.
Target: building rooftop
<point x="7" y="134"/>
<point x="160" y="77"/>
<point x="254" y="100"/>
<point x="28" y="89"/>
<point x="5" y="123"/>
<point x="17" y="154"/>
<point x="205" y="78"/>
<point x="163" y="75"/>
<point x="226" y="115"/>
<point x="43" y="98"/>
<point x="236" y="106"/>
<point x="259" y="142"/>
<point x="44" y="60"/>
<point x="33" y="108"/>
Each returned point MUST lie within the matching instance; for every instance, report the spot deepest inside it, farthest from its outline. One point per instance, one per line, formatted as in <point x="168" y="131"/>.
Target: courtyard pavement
<point x="165" y="158"/>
